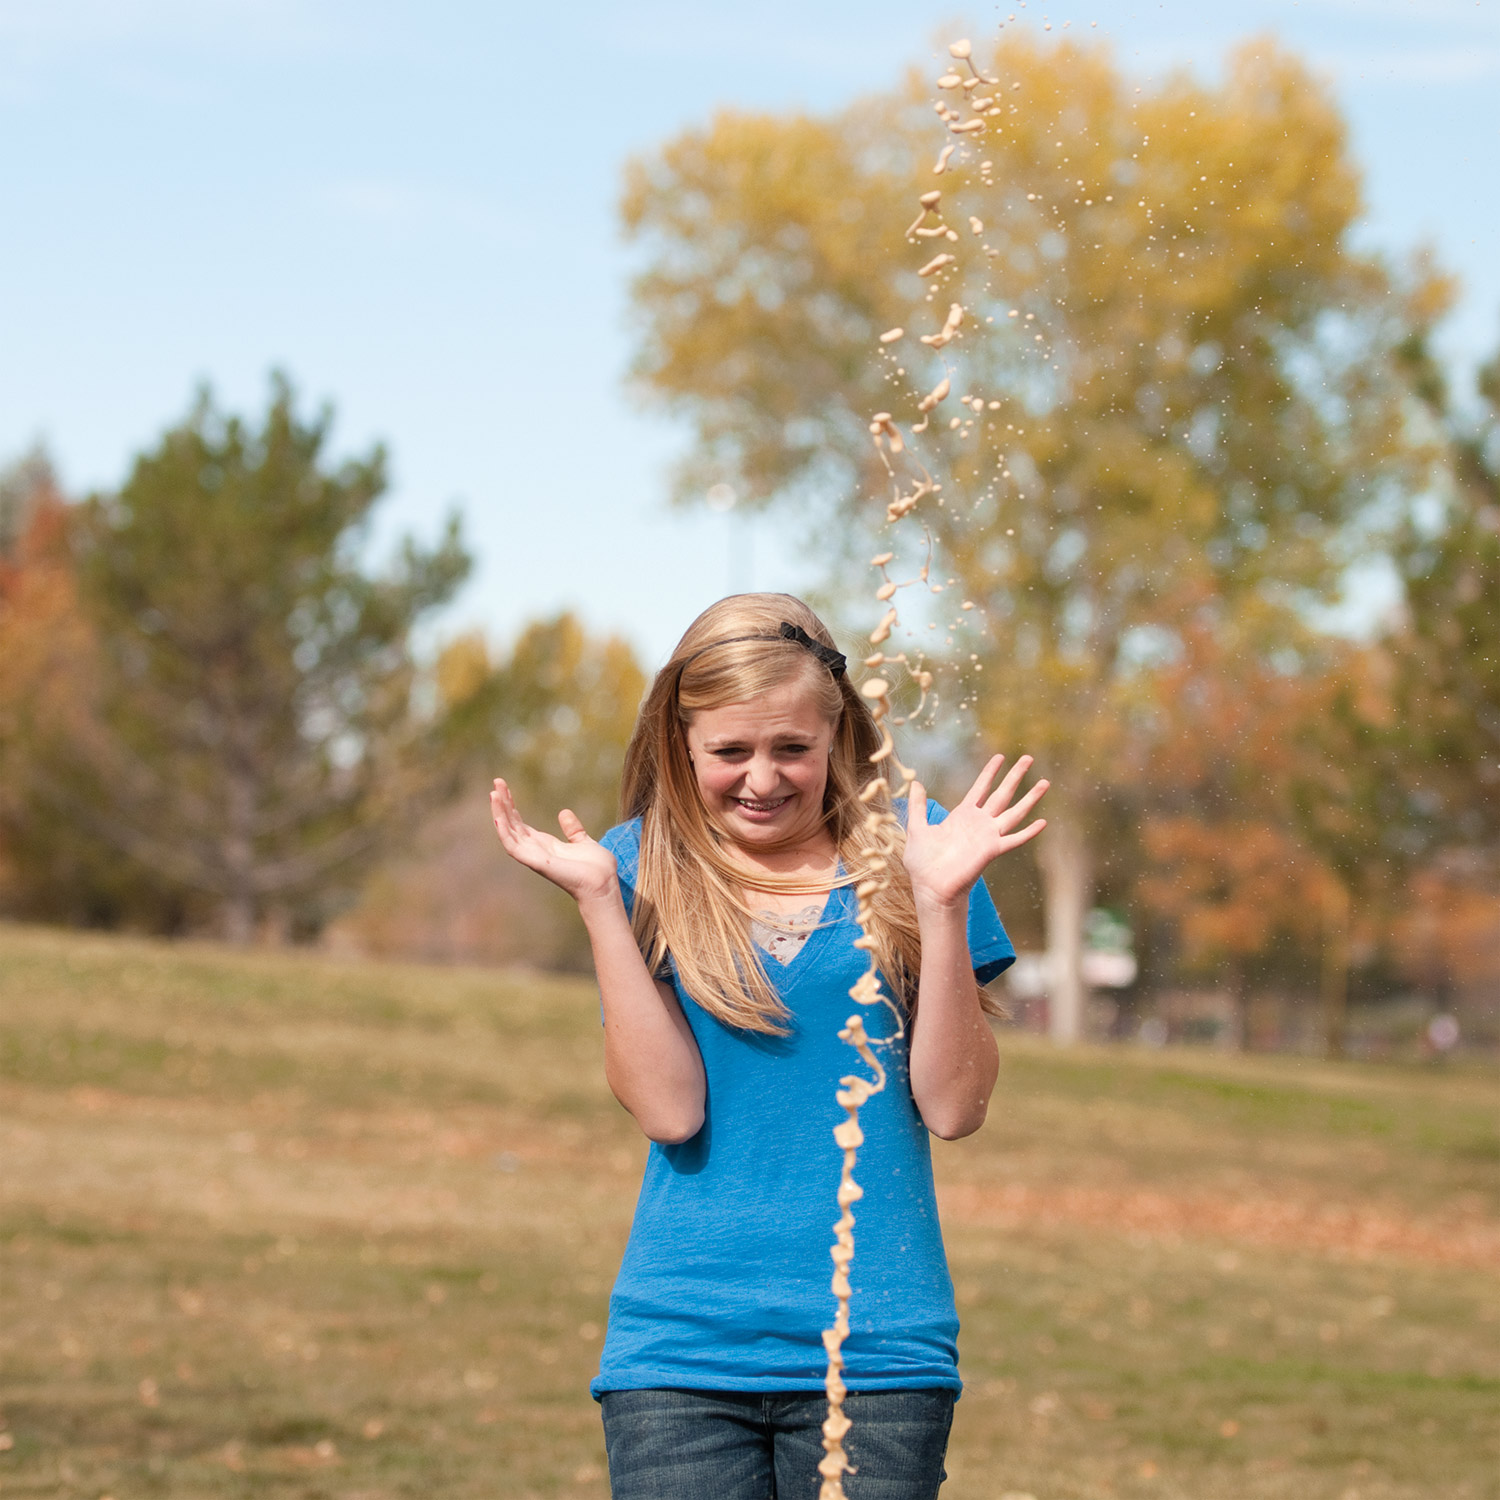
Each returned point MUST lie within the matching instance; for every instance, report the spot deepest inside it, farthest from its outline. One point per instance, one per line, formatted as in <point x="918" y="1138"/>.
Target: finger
<point x="1017" y="814"/>
<point x="502" y="805"/>
<point x="509" y="823"/>
<point x="1002" y="794"/>
<point x="572" y="826"/>
<point x="508" y="831"/>
<point x="975" y="795"/>
<point x="1025" y="836"/>
<point x="1000" y="798"/>
<point x="916" y="807"/>
<point x="512" y="831"/>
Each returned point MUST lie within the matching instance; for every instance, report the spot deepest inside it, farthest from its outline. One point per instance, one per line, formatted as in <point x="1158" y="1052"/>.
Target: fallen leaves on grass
<point x="1337" y="1230"/>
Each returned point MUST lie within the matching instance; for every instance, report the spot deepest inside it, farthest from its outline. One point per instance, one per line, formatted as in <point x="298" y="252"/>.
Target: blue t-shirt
<point x="725" y="1284"/>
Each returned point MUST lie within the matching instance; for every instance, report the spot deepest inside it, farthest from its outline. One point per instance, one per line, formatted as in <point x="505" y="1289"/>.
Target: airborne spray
<point x="910" y="485"/>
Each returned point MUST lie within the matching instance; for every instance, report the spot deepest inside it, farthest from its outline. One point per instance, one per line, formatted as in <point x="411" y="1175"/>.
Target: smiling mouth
<point x="769" y="805"/>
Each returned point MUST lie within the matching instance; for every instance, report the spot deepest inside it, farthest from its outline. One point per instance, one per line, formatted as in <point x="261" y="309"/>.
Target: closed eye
<point x="731" y="752"/>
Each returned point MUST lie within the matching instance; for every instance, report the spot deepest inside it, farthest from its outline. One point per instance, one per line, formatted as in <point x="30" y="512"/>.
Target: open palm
<point x="945" y="859"/>
<point x="575" y="862"/>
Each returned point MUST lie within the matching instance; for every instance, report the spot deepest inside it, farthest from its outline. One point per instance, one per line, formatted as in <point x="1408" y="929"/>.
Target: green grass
<point x="278" y="1226"/>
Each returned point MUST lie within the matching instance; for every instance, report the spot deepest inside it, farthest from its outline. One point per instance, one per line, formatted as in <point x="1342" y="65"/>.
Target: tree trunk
<point x="237" y="917"/>
<point x="1335" y="975"/>
<point x="238" y="853"/>
<point x="1062" y="855"/>
<point x="1239" y="987"/>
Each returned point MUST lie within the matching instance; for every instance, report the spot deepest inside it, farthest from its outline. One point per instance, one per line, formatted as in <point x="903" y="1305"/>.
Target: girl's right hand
<point x="584" y="869"/>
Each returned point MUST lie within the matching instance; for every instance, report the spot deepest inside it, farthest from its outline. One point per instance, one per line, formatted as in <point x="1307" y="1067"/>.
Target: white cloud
<point x="1347" y="66"/>
<point x="60" y="25"/>
<point x="1422" y="12"/>
<point x="134" y="47"/>
<point x="1411" y="65"/>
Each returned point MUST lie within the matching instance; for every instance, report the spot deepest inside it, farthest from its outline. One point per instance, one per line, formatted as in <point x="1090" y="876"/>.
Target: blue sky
<point x="411" y="208"/>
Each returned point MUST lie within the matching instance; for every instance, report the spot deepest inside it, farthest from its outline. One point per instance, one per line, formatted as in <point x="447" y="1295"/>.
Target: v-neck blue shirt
<point x="725" y="1284"/>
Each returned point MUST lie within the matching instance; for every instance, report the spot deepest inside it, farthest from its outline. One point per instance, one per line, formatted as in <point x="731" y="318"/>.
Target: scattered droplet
<point x="949" y="329"/>
<point x="939" y="392"/>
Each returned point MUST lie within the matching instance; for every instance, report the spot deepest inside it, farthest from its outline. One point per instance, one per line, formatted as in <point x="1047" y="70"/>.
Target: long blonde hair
<point x="688" y="892"/>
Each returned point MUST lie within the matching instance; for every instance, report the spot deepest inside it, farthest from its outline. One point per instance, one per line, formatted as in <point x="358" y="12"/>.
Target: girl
<point x="721" y="917"/>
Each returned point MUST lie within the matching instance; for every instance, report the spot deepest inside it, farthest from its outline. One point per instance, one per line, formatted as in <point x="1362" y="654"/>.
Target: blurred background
<point x="382" y="392"/>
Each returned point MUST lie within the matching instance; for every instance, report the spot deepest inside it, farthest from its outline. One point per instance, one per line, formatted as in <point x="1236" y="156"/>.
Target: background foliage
<point x="1187" y="408"/>
<point x="1209" y="413"/>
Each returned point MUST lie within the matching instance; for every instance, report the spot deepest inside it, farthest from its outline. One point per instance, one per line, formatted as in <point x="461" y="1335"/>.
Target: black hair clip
<point x="835" y="661"/>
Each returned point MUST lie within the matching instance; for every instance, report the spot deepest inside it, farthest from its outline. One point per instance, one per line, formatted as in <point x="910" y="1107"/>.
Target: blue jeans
<point x="746" y="1445"/>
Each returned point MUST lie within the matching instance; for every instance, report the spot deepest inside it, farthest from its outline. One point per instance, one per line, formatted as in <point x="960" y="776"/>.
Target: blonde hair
<point x="688" y="891"/>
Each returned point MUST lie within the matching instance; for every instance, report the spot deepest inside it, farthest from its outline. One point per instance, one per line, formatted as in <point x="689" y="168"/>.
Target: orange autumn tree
<point x="39" y="638"/>
<point x="1438" y="745"/>
<point x="1172" y="389"/>
<point x="1252" y="890"/>
<point x="50" y="869"/>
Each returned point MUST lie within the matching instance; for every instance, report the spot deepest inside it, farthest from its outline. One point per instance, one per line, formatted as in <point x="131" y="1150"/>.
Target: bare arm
<point x="650" y="1057"/>
<point x="954" y="1059"/>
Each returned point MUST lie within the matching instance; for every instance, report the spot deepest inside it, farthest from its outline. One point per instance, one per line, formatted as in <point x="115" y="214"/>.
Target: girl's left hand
<point x="945" y="859"/>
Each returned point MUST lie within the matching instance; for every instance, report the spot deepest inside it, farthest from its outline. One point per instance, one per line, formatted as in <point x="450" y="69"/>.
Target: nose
<point x="761" y="776"/>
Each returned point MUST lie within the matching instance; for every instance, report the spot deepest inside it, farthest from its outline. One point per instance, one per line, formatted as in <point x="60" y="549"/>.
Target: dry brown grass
<point x="277" y="1226"/>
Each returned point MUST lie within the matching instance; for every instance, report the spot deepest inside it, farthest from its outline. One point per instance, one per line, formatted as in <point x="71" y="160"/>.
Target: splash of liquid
<point x="907" y="494"/>
<point x="853" y="1091"/>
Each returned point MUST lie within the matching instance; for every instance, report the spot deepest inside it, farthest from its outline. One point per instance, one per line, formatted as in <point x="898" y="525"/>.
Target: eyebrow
<point x="732" y="742"/>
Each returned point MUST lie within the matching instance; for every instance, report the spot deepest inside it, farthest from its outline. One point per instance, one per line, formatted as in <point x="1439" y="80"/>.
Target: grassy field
<point x="279" y="1226"/>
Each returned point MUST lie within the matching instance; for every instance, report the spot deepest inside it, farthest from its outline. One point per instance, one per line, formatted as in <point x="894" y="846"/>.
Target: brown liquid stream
<point x="907" y="494"/>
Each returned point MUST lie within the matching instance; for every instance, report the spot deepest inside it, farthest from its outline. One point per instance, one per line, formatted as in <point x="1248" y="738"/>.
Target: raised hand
<point x="945" y="859"/>
<point x="581" y="867"/>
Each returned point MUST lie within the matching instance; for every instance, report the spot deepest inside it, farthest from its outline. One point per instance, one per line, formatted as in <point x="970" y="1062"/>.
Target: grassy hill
<point x="273" y="1225"/>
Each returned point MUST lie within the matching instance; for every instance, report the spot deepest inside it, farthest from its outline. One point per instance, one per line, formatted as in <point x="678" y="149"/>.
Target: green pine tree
<point x="255" y="738"/>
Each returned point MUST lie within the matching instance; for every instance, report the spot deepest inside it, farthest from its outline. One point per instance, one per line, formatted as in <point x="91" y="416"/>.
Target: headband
<point x="835" y="661"/>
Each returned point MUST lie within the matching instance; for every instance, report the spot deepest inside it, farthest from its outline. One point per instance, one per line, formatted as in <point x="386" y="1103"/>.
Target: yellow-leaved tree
<point x="553" y="715"/>
<point x="1172" y="394"/>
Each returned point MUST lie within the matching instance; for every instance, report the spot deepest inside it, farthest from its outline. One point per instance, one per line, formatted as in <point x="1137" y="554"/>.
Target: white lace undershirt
<point x="783" y="934"/>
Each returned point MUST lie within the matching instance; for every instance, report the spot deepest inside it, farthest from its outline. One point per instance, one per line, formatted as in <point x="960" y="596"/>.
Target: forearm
<point x="954" y="1060"/>
<point x="650" y="1057"/>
